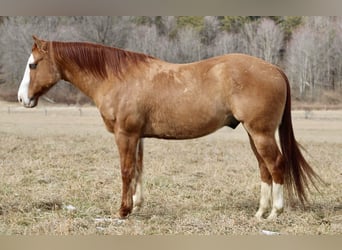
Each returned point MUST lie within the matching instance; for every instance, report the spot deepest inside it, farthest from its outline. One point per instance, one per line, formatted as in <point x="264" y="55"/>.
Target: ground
<point x="60" y="175"/>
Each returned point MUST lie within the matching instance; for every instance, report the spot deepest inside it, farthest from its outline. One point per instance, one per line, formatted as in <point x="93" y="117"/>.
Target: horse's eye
<point x="33" y="65"/>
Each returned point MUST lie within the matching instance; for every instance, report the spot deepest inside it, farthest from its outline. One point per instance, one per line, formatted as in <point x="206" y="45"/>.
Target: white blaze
<point x="24" y="85"/>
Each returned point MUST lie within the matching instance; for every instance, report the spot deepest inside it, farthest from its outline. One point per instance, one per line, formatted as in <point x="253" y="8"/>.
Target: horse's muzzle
<point x="28" y="102"/>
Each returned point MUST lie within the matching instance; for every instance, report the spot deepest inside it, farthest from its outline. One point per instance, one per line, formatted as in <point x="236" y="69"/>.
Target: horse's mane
<point x="95" y="58"/>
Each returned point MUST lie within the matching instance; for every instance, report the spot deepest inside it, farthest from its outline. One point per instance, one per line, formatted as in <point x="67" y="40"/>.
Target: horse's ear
<point x="35" y="38"/>
<point x="41" y="45"/>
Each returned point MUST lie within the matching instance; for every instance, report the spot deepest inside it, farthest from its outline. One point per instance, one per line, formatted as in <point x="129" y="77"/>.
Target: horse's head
<point x="40" y="75"/>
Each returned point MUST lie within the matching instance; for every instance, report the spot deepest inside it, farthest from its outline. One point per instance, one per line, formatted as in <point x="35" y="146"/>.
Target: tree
<point x="263" y="39"/>
<point x="225" y="43"/>
<point x="145" y="39"/>
<point x="2" y="80"/>
<point x="313" y="56"/>
<point x="234" y="24"/>
<point x="195" y="22"/>
<point x="288" y="24"/>
<point x="187" y="46"/>
<point x="112" y="31"/>
<point x="211" y="28"/>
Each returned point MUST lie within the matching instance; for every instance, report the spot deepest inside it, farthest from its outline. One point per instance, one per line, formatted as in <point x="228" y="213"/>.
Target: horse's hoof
<point x="120" y="216"/>
<point x="259" y="216"/>
<point x="274" y="214"/>
<point x="136" y="209"/>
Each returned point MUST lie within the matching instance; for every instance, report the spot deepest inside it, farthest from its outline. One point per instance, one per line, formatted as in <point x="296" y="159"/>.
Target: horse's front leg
<point x="127" y="145"/>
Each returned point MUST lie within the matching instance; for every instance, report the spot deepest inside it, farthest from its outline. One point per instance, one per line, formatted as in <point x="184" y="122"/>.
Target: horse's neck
<point x="88" y="84"/>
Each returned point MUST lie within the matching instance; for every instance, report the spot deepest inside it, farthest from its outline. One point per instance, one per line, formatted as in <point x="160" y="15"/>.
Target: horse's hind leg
<point x="268" y="154"/>
<point x="266" y="183"/>
<point x="138" y="194"/>
<point x="269" y="151"/>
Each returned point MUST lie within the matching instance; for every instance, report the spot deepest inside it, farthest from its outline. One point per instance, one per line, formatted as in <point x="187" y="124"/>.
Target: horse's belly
<point x="186" y="128"/>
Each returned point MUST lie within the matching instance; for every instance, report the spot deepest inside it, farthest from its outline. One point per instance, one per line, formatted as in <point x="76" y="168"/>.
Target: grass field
<point x="60" y="175"/>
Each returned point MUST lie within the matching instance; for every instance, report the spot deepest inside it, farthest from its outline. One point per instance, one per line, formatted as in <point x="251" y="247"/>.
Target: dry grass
<point x="203" y="186"/>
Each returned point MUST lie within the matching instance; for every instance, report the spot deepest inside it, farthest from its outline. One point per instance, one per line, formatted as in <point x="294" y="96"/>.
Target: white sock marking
<point x="265" y="199"/>
<point x="278" y="196"/>
<point x="25" y="83"/>
<point x="137" y="197"/>
<point x="278" y="201"/>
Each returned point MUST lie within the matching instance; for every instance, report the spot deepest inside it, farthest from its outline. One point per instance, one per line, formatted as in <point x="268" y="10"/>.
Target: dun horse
<point x="140" y="96"/>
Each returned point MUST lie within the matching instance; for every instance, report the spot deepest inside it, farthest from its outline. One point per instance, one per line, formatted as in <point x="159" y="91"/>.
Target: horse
<point x="140" y="96"/>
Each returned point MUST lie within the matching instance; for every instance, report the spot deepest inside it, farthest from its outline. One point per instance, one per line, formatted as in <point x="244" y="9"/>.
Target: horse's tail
<point x="298" y="174"/>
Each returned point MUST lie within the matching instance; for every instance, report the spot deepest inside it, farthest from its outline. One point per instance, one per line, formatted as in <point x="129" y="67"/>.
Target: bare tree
<point x="336" y="53"/>
<point x="300" y="61"/>
<point x="107" y="30"/>
<point x="225" y="43"/>
<point x="188" y="46"/>
<point x="1" y="77"/>
<point x="313" y="56"/>
<point x="183" y="46"/>
<point x="263" y="39"/>
<point x="210" y="30"/>
<point x="144" y="39"/>
<point x="170" y="26"/>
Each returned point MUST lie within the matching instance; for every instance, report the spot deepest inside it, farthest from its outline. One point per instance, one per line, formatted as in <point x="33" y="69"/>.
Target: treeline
<point x="307" y="48"/>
